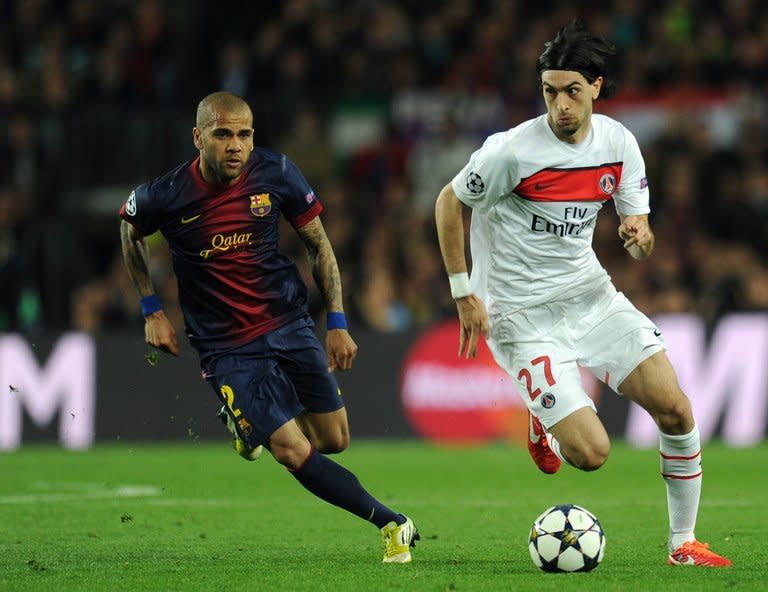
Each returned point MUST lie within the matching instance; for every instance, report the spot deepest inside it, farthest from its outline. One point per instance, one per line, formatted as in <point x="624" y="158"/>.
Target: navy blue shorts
<point x="272" y="379"/>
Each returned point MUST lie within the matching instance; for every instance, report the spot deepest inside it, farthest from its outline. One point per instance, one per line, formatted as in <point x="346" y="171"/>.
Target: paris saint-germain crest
<point x="260" y="204"/>
<point x="608" y="184"/>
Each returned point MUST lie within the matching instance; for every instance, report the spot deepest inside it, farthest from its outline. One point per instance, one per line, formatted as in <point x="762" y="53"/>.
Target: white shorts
<point x="542" y="347"/>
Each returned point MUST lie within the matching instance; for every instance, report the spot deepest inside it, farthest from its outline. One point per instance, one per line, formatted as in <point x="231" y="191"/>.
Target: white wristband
<point x="459" y="285"/>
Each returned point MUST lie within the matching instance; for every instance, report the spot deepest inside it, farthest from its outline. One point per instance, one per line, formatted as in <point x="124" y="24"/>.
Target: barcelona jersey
<point x="234" y="283"/>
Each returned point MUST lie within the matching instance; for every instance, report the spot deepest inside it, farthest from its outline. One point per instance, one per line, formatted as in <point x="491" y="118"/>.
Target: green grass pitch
<point x="197" y="517"/>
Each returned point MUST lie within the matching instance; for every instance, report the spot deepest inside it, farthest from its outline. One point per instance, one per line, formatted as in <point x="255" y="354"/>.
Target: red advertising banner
<point x="463" y="401"/>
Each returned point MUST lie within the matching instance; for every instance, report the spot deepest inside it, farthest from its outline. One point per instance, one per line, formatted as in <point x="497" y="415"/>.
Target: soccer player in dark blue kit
<point x="245" y="305"/>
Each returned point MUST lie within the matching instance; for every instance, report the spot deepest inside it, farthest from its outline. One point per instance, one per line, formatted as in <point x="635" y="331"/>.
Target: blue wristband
<point x="336" y="320"/>
<point x="150" y="304"/>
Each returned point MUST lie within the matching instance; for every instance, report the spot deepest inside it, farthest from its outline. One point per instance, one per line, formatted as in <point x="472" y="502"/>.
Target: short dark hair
<point x="219" y="100"/>
<point x="576" y="49"/>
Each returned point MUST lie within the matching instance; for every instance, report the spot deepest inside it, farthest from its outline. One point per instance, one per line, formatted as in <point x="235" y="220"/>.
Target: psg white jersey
<point x="535" y="201"/>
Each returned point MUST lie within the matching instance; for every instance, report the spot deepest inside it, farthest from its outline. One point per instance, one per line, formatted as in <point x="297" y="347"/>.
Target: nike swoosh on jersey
<point x="190" y="219"/>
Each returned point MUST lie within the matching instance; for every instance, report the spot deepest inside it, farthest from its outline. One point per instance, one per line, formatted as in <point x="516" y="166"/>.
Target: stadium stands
<point x="380" y="104"/>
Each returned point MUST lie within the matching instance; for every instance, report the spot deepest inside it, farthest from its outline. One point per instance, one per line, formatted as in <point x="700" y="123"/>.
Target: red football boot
<point x="538" y="446"/>
<point x="698" y="554"/>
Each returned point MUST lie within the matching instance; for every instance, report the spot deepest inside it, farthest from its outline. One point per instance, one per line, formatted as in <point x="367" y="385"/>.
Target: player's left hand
<point x="341" y="349"/>
<point x="159" y="333"/>
<point x="637" y="236"/>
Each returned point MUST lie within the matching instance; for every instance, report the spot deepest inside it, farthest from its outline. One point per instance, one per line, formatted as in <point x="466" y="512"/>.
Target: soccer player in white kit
<point x="540" y="296"/>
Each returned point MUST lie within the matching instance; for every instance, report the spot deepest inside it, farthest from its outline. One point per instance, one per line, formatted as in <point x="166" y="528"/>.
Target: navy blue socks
<point x="336" y="485"/>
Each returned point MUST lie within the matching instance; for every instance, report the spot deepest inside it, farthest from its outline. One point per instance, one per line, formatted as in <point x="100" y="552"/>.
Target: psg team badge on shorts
<point x="260" y="204"/>
<point x="548" y="400"/>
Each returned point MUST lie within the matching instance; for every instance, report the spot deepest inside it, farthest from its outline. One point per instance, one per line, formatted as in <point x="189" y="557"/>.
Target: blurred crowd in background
<point x="380" y="103"/>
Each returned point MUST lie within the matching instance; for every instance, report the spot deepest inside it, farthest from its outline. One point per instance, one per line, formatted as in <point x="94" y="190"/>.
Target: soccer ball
<point x="566" y="538"/>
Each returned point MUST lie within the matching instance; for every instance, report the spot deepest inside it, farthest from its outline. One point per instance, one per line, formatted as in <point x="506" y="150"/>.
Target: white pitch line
<point x="122" y="491"/>
<point x="214" y="503"/>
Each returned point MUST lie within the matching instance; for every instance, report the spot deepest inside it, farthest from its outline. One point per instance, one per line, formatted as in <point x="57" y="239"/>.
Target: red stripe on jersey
<point x="596" y="183"/>
<point x="307" y="217"/>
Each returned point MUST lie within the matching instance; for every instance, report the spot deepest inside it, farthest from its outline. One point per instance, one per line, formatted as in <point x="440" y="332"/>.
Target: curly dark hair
<point x="576" y="49"/>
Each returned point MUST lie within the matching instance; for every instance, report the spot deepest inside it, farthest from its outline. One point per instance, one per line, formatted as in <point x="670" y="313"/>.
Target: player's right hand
<point x="474" y="322"/>
<point x="159" y="333"/>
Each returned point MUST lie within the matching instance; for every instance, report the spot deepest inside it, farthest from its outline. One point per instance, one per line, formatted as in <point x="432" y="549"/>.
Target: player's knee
<point x="591" y="461"/>
<point x="590" y="456"/>
<point x="291" y="457"/>
<point x="334" y="443"/>
<point x="675" y="415"/>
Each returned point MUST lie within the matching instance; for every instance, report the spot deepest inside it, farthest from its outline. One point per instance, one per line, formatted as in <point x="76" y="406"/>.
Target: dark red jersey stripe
<point x="597" y="183"/>
<point x="307" y="217"/>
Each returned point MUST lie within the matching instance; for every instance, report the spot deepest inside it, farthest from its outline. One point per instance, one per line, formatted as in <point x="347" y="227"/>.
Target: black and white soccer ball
<point x="566" y="538"/>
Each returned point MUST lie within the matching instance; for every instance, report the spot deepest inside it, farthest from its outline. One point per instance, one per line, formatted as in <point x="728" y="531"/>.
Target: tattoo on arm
<point x="325" y="269"/>
<point x="135" y="255"/>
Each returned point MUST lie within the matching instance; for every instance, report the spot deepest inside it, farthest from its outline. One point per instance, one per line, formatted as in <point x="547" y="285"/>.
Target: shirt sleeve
<point x="490" y="174"/>
<point x="632" y="196"/>
<point x="139" y="210"/>
<point x="300" y="205"/>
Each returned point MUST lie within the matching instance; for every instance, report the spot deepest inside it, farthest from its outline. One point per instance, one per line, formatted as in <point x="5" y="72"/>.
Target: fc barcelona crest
<point x="260" y="204"/>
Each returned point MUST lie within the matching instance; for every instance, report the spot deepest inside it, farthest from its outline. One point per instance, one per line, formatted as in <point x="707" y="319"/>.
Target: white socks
<point x="681" y="469"/>
<point x="554" y="446"/>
